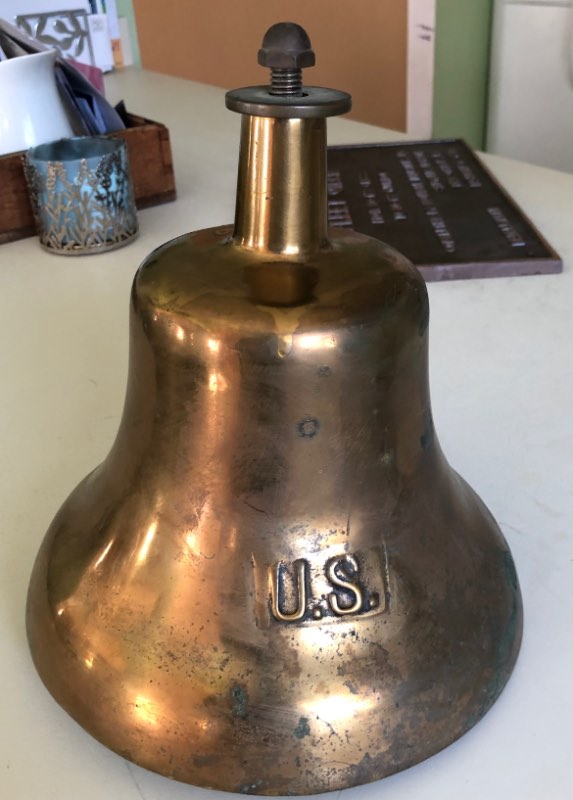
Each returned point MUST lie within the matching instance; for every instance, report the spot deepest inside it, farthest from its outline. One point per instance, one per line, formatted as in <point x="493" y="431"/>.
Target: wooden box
<point x="151" y="167"/>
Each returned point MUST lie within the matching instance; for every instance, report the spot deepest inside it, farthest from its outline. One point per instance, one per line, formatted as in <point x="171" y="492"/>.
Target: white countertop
<point x="502" y="391"/>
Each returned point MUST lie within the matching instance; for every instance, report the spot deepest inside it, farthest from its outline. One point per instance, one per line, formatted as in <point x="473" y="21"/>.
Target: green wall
<point x="125" y="9"/>
<point x="461" y="69"/>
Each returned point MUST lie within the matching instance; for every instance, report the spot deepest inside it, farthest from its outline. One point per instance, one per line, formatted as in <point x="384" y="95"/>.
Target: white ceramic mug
<point x="31" y="111"/>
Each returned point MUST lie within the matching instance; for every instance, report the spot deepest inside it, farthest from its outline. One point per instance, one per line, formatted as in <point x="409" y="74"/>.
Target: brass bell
<point x="275" y="583"/>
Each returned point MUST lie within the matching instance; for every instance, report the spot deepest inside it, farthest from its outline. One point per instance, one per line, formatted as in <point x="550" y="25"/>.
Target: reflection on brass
<point x="275" y="583"/>
<point x="281" y="188"/>
<point x="278" y="283"/>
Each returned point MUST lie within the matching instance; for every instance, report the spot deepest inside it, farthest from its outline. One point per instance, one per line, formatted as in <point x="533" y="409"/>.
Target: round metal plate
<point x="315" y="102"/>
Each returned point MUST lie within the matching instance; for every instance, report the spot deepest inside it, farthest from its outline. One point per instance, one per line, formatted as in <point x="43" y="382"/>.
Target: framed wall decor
<point x="66" y="30"/>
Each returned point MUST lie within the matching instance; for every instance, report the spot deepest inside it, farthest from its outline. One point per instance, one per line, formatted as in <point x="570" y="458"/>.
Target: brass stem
<point x="281" y="194"/>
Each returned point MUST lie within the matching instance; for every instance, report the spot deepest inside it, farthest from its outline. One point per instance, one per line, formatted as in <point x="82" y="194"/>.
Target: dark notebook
<point x="436" y="203"/>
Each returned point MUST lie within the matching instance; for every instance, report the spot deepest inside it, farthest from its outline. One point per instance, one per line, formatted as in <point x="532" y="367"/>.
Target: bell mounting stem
<point x="281" y="189"/>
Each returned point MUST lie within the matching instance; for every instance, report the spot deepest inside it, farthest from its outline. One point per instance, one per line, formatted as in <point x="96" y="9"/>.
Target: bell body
<point x="275" y="583"/>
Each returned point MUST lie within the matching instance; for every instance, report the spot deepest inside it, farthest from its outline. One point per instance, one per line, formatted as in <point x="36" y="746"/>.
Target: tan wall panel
<point x="360" y="46"/>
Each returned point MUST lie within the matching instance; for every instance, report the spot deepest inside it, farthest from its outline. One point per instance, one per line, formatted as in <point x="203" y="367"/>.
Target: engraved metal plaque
<point x="436" y="203"/>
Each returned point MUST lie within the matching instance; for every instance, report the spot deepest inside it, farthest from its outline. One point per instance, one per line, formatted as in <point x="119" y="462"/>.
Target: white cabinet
<point x="531" y="85"/>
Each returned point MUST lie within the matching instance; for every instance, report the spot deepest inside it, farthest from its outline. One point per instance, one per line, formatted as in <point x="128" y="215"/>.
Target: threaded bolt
<point x="286" y="50"/>
<point x="286" y="82"/>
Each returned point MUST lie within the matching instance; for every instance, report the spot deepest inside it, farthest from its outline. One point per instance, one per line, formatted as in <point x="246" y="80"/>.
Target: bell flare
<point x="196" y="652"/>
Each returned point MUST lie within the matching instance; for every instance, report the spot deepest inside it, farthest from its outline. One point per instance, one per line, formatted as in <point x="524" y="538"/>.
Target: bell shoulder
<point x="209" y="277"/>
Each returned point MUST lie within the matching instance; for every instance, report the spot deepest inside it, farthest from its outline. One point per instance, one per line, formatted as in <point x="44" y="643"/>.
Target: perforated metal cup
<point x="81" y="194"/>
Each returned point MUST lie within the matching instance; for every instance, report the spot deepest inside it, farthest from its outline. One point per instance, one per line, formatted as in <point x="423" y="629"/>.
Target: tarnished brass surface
<point x="275" y="583"/>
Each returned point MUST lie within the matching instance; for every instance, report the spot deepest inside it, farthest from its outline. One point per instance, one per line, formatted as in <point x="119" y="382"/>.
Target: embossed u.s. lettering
<point x="340" y="586"/>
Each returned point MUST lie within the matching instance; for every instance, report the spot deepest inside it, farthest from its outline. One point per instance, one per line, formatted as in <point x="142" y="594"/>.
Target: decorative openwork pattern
<point x="81" y="209"/>
<point x="67" y="31"/>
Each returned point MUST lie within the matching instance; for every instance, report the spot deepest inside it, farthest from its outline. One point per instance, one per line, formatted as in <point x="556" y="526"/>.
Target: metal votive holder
<point x="82" y="195"/>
